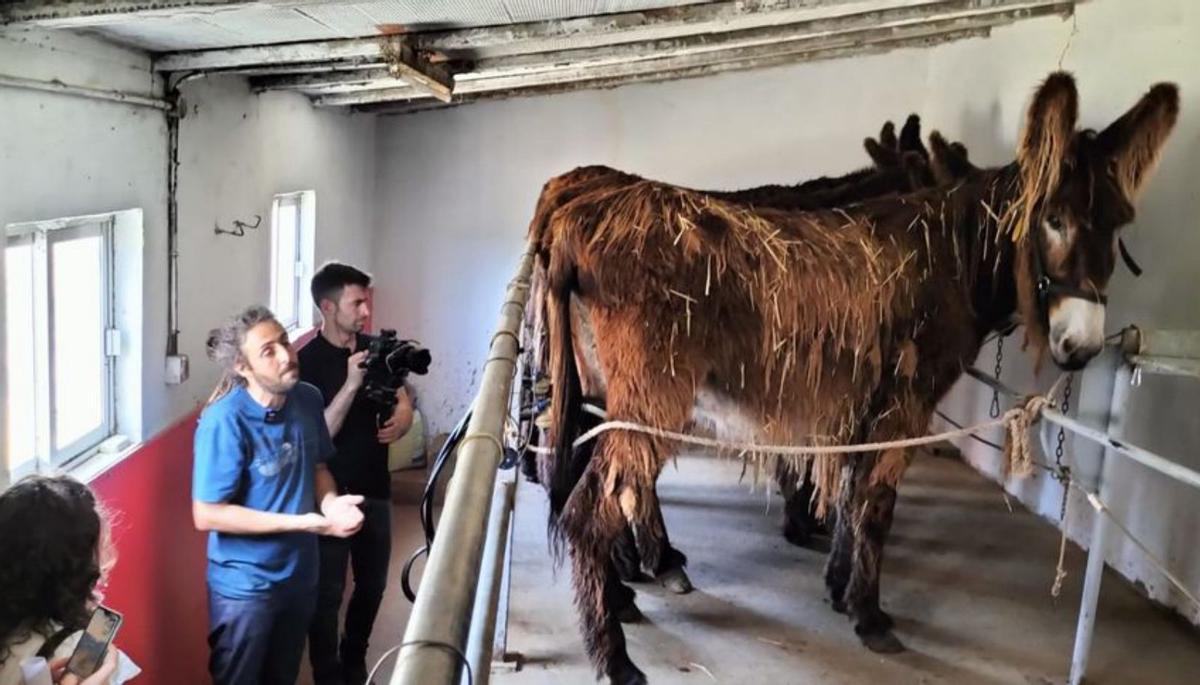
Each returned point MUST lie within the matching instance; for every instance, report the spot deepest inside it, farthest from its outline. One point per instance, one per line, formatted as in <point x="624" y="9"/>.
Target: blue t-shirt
<point x="248" y="455"/>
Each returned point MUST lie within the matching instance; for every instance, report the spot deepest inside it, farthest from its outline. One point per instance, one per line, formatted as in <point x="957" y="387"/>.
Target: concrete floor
<point x="966" y="580"/>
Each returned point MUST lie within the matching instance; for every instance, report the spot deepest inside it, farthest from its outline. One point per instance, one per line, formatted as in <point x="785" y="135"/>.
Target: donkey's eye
<point x="1054" y="222"/>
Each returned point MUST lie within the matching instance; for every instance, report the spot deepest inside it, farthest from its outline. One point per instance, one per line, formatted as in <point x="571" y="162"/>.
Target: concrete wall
<point x="457" y="187"/>
<point x="63" y="156"/>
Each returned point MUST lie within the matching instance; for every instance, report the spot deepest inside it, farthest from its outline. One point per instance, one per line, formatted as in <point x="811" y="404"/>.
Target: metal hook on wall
<point x="239" y="227"/>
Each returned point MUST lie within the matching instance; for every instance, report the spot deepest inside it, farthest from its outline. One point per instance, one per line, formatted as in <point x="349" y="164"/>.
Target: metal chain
<point x="1062" y="434"/>
<point x="1063" y="473"/>
<point x="994" y="412"/>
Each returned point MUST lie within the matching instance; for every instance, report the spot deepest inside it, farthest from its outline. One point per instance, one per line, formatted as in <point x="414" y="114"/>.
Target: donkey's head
<point x="1077" y="190"/>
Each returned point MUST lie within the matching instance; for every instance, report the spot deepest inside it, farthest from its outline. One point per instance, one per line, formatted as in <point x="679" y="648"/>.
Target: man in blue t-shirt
<point x="259" y="482"/>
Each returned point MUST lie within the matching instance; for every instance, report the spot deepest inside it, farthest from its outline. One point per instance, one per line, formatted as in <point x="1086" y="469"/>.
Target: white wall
<point x="457" y="187"/>
<point x="237" y="150"/>
<point x="64" y="156"/>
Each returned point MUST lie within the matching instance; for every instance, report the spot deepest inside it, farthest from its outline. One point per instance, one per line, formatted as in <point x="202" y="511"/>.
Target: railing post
<point x="1100" y="533"/>
<point x="435" y="641"/>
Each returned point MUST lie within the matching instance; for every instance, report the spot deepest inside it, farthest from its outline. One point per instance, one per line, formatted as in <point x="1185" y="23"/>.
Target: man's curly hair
<point x="50" y="530"/>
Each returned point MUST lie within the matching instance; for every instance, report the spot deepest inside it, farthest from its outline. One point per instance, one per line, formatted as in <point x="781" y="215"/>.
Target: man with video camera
<point x="362" y="424"/>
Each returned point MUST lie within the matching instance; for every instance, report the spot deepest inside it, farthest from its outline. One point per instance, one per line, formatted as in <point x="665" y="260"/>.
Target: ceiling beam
<point x="268" y="55"/>
<point x="492" y="74"/>
<point x="65" y="13"/>
<point x="405" y="63"/>
<point x="693" y="65"/>
<point x="955" y="13"/>
<point x="323" y="81"/>
<point x="539" y="36"/>
<point x="413" y="106"/>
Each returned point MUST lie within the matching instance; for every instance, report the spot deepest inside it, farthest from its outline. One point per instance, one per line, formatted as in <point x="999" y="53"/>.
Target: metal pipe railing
<point x="1164" y="352"/>
<point x="435" y="641"/>
<point x="487" y="599"/>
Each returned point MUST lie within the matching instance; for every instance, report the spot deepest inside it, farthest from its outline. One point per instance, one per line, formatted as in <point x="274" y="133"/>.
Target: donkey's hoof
<point x="676" y="580"/>
<point x="838" y="605"/>
<point x="630" y="613"/>
<point x="625" y="673"/>
<point x="882" y="642"/>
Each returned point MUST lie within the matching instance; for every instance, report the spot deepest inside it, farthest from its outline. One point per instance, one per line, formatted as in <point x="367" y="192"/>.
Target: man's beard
<point x="278" y="386"/>
<point x="352" y="325"/>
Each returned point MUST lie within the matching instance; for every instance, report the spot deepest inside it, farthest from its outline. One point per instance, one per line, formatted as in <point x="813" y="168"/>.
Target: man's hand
<point x="390" y="432"/>
<point x="343" y="518"/>
<point x="58" y="670"/>
<point x="354" y="370"/>
<point x="401" y="420"/>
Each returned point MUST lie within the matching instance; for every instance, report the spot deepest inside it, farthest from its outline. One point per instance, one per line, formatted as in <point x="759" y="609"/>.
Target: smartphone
<point x="89" y="653"/>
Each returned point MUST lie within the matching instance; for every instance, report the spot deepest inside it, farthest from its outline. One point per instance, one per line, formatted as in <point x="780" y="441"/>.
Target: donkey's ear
<point x="910" y="137"/>
<point x="887" y="135"/>
<point x="884" y="157"/>
<point x="1134" y="141"/>
<point x="1049" y="128"/>
<point x="949" y="160"/>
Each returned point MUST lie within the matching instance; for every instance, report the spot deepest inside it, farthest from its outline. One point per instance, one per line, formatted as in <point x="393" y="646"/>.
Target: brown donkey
<point x="900" y="164"/>
<point x="823" y="327"/>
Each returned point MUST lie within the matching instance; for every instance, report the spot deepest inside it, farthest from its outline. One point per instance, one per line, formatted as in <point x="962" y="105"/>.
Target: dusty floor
<point x="967" y="581"/>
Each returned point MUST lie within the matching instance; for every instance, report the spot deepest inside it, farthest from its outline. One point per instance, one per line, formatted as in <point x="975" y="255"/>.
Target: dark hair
<point x="332" y="277"/>
<point x="51" y="530"/>
<point x="224" y="346"/>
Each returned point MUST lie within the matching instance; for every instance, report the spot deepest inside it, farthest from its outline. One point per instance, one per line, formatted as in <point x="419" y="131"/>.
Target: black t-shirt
<point x="360" y="466"/>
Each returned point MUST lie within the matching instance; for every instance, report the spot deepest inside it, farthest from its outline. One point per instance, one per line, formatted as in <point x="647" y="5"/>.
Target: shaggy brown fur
<point x="822" y="327"/>
<point x="901" y="164"/>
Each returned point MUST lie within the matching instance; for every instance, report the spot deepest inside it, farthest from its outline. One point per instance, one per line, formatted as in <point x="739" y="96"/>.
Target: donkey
<point x="900" y="164"/>
<point x="823" y="327"/>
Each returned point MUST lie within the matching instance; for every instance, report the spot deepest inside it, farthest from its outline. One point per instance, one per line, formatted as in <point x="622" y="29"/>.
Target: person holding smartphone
<point x="56" y="551"/>
<point x="261" y="488"/>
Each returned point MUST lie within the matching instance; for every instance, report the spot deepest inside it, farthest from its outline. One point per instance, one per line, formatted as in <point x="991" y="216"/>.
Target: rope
<point x="1017" y="420"/>
<point x="1060" y="572"/>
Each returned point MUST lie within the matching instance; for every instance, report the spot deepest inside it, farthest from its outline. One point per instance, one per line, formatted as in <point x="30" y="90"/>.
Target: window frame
<point x="304" y="202"/>
<point x="42" y="236"/>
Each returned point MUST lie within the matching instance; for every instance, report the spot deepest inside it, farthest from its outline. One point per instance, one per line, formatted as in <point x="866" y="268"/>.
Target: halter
<point x="1047" y="286"/>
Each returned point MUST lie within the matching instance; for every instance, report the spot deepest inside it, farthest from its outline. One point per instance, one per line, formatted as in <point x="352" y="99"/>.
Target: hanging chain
<point x="994" y="412"/>
<point x="1062" y="434"/>
<point x="1063" y="475"/>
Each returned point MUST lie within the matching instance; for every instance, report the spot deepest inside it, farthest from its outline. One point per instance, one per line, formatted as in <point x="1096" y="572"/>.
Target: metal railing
<point x="1161" y="352"/>
<point x="449" y="633"/>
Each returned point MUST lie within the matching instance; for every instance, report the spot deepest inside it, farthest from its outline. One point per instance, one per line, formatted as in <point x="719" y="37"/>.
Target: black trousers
<point x="257" y="641"/>
<point x="367" y="552"/>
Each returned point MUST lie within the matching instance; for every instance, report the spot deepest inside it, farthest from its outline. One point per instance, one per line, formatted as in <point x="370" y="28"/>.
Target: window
<point x="61" y="340"/>
<point x="292" y="248"/>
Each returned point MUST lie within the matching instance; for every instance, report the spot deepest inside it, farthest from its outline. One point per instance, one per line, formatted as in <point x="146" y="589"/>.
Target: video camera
<point x="388" y="363"/>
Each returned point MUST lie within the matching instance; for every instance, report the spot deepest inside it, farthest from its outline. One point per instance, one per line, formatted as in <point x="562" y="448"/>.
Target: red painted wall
<point x="158" y="581"/>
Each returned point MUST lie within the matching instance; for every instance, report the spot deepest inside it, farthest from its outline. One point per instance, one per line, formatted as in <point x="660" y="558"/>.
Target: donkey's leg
<point x="800" y="522"/>
<point x="592" y="521"/>
<point x="838" y="568"/>
<point x="874" y="509"/>
<point x="626" y="560"/>
<point x="669" y="572"/>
